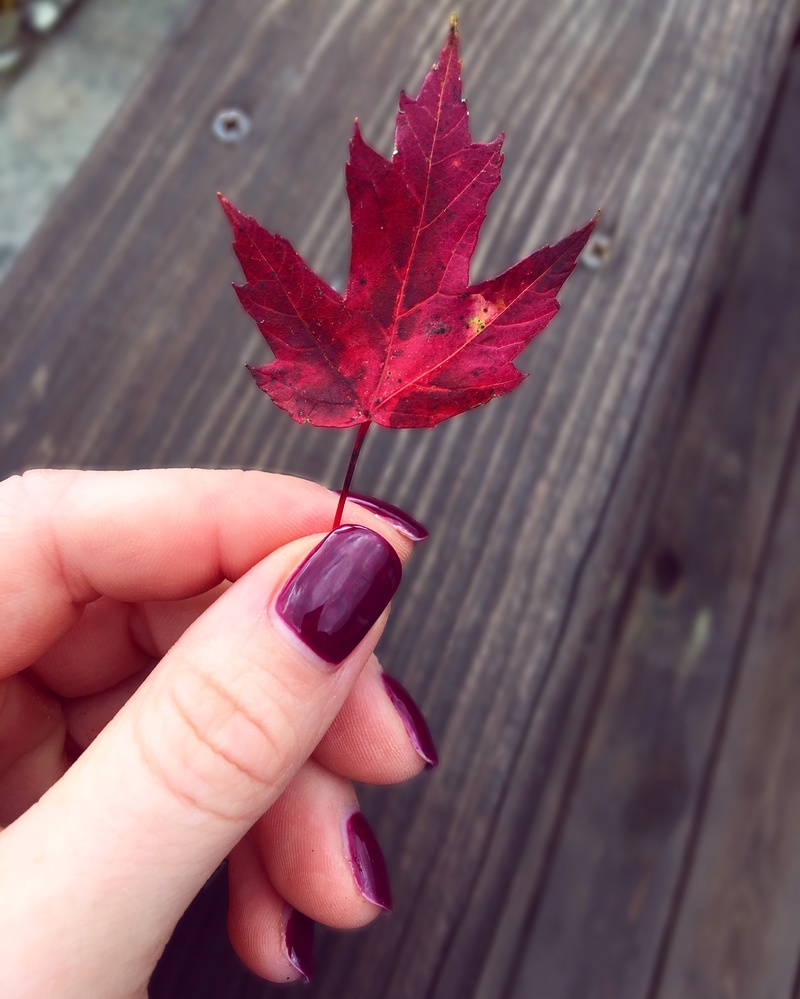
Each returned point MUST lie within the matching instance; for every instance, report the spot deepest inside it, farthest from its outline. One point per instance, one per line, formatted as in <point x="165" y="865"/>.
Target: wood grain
<point x="736" y="930"/>
<point x="123" y="346"/>
<point x="629" y="838"/>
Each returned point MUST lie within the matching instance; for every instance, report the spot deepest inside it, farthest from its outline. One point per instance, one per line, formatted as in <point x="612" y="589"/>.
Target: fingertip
<point x="380" y="735"/>
<point x="417" y="730"/>
<point x="367" y="861"/>
<point x="274" y="940"/>
<point x="401" y="521"/>
<point x="298" y="942"/>
<point x="339" y="592"/>
<point x="320" y="854"/>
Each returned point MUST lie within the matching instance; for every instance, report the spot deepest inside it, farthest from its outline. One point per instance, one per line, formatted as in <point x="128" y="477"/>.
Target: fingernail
<point x="298" y="942"/>
<point x="340" y="591"/>
<point x="392" y="514"/>
<point x="414" y="721"/>
<point x="366" y="860"/>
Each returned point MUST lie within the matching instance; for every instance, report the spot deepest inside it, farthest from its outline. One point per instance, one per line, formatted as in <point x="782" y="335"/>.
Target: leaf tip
<point x="454" y="25"/>
<point x="230" y="210"/>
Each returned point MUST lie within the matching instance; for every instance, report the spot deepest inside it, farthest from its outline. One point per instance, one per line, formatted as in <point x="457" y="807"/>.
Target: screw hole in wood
<point x="231" y="125"/>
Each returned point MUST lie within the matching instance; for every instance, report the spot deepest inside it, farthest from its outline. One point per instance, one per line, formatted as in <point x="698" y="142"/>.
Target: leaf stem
<point x="362" y="433"/>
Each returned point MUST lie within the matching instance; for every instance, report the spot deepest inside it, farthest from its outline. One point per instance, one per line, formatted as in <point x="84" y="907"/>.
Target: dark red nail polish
<point x="393" y="514"/>
<point x="366" y="859"/>
<point x="414" y="721"/>
<point x="298" y="940"/>
<point x="340" y="591"/>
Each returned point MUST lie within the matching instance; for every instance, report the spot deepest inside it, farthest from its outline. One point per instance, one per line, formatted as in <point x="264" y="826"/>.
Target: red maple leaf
<point x="411" y="343"/>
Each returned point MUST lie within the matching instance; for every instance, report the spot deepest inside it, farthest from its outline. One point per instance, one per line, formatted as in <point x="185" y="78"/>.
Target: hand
<point x="169" y="698"/>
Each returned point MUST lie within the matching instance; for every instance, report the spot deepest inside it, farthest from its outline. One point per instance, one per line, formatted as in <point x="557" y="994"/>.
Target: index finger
<point x="68" y="537"/>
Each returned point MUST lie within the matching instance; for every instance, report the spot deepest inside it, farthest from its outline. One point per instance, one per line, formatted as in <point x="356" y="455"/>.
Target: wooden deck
<point x="604" y="630"/>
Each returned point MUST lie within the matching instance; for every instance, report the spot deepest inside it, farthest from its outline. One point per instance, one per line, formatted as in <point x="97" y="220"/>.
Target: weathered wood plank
<point x="737" y="932"/>
<point x="616" y="883"/>
<point x="123" y="346"/>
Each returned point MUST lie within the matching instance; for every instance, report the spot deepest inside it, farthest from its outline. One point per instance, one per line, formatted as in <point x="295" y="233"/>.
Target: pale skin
<point x="156" y="717"/>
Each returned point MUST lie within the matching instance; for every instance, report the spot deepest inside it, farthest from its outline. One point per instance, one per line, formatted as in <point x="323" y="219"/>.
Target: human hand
<point x="126" y="785"/>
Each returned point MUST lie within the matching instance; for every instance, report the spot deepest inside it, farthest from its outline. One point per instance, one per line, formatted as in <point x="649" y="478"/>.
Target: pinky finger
<point x="274" y="940"/>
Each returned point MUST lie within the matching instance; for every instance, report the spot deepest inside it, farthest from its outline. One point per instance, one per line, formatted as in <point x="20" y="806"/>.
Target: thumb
<point x="117" y="848"/>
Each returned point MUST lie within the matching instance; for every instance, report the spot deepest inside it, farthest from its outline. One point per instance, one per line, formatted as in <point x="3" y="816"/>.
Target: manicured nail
<point x="392" y="514"/>
<point x="298" y="942"/>
<point x="366" y="859"/>
<point x="414" y="721"/>
<point x="340" y="591"/>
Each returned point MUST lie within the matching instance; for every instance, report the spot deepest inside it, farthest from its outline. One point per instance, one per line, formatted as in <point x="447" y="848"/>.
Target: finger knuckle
<point x="228" y="750"/>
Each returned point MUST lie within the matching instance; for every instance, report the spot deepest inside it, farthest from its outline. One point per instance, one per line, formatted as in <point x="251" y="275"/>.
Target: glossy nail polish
<point x="414" y="721"/>
<point x="298" y="942"/>
<point x="366" y="860"/>
<point x="398" y="518"/>
<point x="340" y="591"/>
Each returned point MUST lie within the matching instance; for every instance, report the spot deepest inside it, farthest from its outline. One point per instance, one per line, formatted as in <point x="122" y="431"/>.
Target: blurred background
<point x="64" y="72"/>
